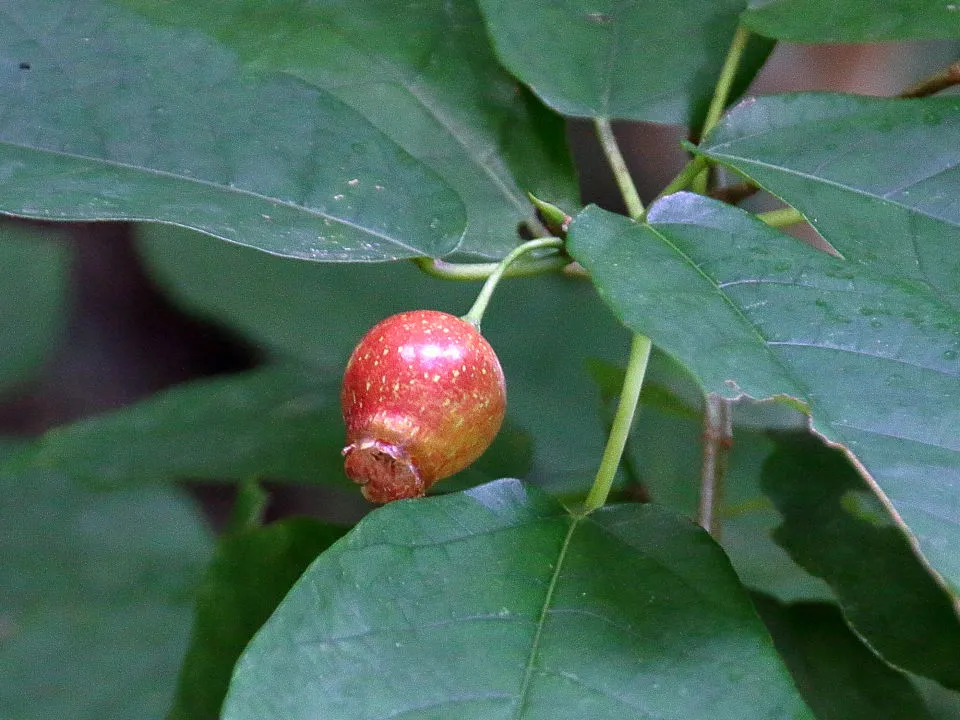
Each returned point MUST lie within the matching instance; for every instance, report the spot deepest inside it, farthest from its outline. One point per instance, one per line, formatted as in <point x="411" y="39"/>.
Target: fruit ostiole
<point x="423" y="396"/>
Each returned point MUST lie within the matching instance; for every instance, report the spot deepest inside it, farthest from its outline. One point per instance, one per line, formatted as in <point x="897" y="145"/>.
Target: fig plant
<point x="726" y="481"/>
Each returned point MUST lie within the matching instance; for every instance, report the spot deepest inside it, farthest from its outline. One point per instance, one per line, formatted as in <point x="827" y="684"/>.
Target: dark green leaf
<point x="878" y="178"/>
<point x="634" y="60"/>
<point x="752" y="311"/>
<point x="95" y="597"/>
<point x="249" y="575"/>
<point x="541" y="328"/>
<point x="497" y="603"/>
<point x="666" y="448"/>
<point x="942" y="704"/>
<point x="426" y="77"/>
<point x="836" y="528"/>
<point x="107" y="117"/>
<point x="756" y="52"/>
<point x="276" y="422"/>
<point x="838" y="676"/>
<point x="33" y="271"/>
<point x="852" y="21"/>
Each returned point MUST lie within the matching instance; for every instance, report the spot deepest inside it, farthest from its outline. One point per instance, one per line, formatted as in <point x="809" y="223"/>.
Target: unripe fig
<point x="423" y="396"/>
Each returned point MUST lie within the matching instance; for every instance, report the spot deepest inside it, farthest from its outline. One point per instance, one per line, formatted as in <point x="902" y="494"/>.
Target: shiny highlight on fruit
<point x="423" y="396"/>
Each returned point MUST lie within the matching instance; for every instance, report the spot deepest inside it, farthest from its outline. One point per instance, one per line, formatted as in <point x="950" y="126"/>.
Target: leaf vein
<point x="166" y="174"/>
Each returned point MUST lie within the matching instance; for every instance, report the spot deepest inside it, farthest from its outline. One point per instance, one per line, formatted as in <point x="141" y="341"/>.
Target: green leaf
<point x="878" y="178"/>
<point x="942" y="704"/>
<point x="836" y="528"/>
<point x="838" y="676"/>
<point x="542" y="328"/>
<point x="276" y="422"/>
<point x="95" y="591"/>
<point x="109" y="118"/>
<point x="497" y="603"/>
<point x="853" y="21"/>
<point x="752" y="311"/>
<point x="426" y="78"/>
<point x="652" y="61"/>
<point x="33" y="270"/>
<point x="664" y="456"/>
<point x="249" y="575"/>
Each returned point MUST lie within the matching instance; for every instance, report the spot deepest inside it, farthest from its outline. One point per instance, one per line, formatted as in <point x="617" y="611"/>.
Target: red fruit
<point x="423" y="396"/>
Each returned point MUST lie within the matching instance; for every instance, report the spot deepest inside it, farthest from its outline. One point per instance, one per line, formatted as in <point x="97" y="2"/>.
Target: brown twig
<point x="734" y="194"/>
<point x="948" y="77"/>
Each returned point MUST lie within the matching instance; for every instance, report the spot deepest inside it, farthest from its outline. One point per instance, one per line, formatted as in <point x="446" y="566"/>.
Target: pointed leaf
<point x="853" y="21"/>
<point x="95" y="598"/>
<point x="838" y="530"/>
<point x="99" y="123"/>
<point x="838" y="675"/>
<point x="426" y="78"/>
<point x="652" y="61"/>
<point x="878" y="178"/>
<point x="497" y="603"/>
<point x="753" y="311"/>
<point x="250" y="573"/>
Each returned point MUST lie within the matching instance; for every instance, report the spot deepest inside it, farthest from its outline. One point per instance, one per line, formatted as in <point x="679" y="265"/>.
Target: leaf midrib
<point x="530" y="666"/>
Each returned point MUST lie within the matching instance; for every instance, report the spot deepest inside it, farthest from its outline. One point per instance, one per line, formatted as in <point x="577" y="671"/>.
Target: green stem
<point x="683" y="178"/>
<point x="248" y="508"/>
<point x="617" y="441"/>
<point x="721" y="95"/>
<point x="481" y="271"/>
<point x="781" y="218"/>
<point x="475" y="314"/>
<point x="619" y="166"/>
